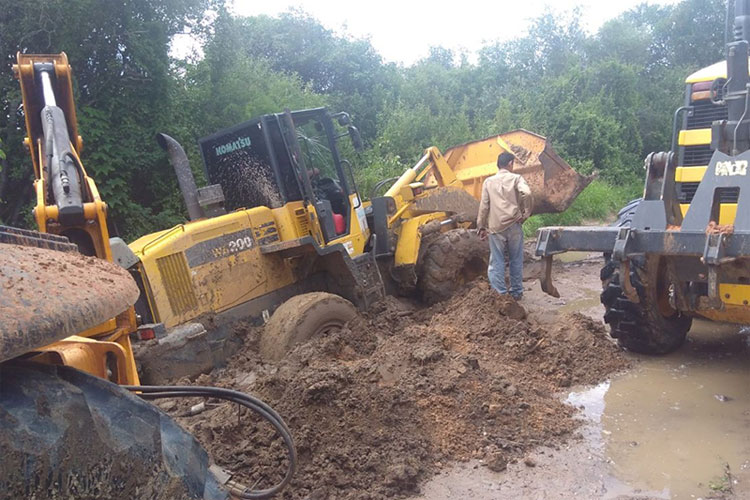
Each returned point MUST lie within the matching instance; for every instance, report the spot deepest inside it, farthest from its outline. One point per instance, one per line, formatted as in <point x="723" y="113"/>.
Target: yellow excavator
<point x="74" y="422"/>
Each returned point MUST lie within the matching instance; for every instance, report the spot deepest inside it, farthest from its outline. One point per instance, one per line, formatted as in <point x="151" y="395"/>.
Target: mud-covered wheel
<point x="450" y="260"/>
<point x="68" y="434"/>
<point x="651" y="326"/>
<point x="301" y="318"/>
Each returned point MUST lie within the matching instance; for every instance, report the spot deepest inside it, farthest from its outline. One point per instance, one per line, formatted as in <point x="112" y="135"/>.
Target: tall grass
<point x="599" y="202"/>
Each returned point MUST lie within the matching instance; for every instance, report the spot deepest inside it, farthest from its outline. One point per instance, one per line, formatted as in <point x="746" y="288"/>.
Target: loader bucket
<point x="554" y="184"/>
<point x="46" y="295"/>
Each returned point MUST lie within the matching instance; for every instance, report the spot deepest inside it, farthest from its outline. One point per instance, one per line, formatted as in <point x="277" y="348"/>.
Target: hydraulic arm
<point x="67" y="200"/>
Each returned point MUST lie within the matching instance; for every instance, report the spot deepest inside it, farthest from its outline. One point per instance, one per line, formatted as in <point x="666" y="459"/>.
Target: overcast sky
<point x="403" y="31"/>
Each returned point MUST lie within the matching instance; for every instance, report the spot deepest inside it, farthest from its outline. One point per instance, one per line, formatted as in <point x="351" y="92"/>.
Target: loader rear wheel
<point x="302" y="318"/>
<point x="650" y="326"/>
<point x="68" y="434"/>
<point x="450" y="260"/>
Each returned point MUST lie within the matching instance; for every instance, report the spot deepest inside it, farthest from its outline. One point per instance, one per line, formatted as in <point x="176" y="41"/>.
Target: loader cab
<point x="288" y="157"/>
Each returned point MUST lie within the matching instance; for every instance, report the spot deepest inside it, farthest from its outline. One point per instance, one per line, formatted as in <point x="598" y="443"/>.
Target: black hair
<point x="504" y="159"/>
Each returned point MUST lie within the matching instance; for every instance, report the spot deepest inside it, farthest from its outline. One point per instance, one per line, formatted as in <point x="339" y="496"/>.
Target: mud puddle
<point x="681" y="423"/>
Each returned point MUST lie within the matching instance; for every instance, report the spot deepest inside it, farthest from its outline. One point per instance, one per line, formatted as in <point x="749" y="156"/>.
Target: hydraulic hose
<point x="266" y="412"/>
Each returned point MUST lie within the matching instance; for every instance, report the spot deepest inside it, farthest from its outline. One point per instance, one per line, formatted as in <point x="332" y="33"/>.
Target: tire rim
<point x="329" y="327"/>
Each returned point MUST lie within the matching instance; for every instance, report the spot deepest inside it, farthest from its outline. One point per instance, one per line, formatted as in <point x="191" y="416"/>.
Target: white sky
<point x="403" y="31"/>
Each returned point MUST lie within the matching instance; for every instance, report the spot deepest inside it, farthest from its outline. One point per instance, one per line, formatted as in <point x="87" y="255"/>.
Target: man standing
<point x="506" y="203"/>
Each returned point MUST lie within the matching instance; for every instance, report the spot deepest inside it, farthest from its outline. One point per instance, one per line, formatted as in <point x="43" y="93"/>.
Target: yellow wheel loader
<point x="681" y="252"/>
<point x="284" y="217"/>
<point x="74" y="422"/>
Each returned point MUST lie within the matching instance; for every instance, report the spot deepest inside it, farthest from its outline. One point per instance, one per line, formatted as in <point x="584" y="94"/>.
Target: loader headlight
<point x="700" y="91"/>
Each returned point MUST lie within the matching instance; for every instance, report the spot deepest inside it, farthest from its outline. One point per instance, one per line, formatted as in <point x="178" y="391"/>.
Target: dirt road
<point x="673" y="427"/>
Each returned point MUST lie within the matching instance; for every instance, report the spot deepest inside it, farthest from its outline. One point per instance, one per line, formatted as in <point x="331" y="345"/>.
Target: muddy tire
<point x="650" y="326"/>
<point x="68" y="434"/>
<point x="450" y="260"/>
<point x="301" y="318"/>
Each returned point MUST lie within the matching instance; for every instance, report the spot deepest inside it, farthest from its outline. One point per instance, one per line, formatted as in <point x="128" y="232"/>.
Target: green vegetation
<point x="598" y="202"/>
<point x="604" y="100"/>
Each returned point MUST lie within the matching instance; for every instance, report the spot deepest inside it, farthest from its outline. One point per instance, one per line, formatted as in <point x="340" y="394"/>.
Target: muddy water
<point x="681" y="423"/>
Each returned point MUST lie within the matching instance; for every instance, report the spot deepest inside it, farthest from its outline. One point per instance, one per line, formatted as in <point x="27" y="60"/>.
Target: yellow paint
<point x="727" y="212"/>
<point x="709" y="73"/>
<point x="689" y="174"/>
<point x="227" y="280"/>
<point x="410" y="238"/>
<point x="735" y="294"/>
<point x="87" y="351"/>
<point x="91" y="356"/>
<point x="471" y="173"/>
<point x="178" y="293"/>
<point x="694" y="137"/>
<point x="729" y="313"/>
<point x="359" y="233"/>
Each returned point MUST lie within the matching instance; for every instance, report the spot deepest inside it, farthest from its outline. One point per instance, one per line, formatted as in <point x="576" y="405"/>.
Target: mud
<point x="680" y="424"/>
<point x="402" y="393"/>
<point x="672" y="427"/>
<point x="46" y="295"/>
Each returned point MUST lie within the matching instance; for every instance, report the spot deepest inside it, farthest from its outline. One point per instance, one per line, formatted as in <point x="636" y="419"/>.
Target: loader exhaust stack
<point x="185" y="178"/>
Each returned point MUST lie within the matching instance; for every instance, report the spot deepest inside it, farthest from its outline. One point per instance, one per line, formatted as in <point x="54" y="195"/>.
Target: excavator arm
<point x="67" y="200"/>
<point x="68" y="204"/>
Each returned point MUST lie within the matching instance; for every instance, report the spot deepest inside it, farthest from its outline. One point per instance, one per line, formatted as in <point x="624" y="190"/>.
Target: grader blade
<point x="47" y="295"/>
<point x="554" y="183"/>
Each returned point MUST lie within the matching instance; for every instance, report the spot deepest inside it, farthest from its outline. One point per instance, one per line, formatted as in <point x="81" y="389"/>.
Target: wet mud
<point x="672" y="427"/>
<point x="405" y="392"/>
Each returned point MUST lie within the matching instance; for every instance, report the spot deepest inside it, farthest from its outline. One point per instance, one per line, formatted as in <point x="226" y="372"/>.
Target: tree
<point x="120" y="60"/>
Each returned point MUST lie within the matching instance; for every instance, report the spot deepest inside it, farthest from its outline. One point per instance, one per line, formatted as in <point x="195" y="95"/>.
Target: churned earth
<point x="671" y="427"/>
<point x="481" y="398"/>
<point x="406" y="392"/>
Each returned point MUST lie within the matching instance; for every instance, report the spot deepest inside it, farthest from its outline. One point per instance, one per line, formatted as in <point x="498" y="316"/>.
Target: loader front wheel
<point x="650" y="326"/>
<point x="449" y="261"/>
<point x="302" y="318"/>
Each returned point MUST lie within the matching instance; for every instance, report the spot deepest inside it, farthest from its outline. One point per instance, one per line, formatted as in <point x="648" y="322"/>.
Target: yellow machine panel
<point x="210" y="265"/>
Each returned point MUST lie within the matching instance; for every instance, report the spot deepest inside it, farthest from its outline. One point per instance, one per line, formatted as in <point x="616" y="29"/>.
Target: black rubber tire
<point x="68" y="434"/>
<point x="301" y="318"/>
<point x="449" y="261"/>
<point x="640" y="327"/>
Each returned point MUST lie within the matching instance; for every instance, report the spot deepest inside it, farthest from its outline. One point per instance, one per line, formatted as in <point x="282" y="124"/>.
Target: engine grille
<point x="687" y="193"/>
<point x="705" y="113"/>
<point x="303" y="221"/>
<point x="176" y="276"/>
<point x="697" y="156"/>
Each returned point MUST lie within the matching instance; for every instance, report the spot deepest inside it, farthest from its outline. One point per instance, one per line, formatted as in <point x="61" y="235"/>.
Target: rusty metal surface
<point x="553" y="182"/>
<point x="46" y="295"/>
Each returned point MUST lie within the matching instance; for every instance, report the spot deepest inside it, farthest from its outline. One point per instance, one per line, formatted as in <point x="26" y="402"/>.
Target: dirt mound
<point x="381" y="405"/>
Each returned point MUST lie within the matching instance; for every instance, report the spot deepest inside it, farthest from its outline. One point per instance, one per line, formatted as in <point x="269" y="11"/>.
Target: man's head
<point x="505" y="160"/>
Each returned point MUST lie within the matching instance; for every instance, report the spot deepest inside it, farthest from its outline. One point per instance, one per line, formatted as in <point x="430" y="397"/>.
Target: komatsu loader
<point x="284" y="236"/>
